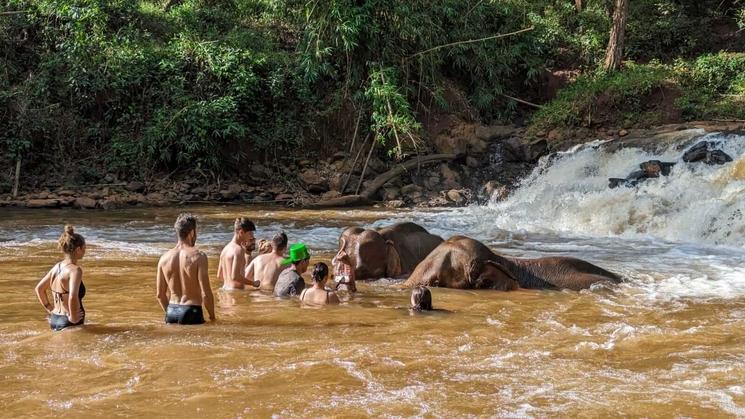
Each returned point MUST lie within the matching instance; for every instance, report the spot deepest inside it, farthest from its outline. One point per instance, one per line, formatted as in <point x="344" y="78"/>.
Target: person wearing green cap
<point x="290" y="282"/>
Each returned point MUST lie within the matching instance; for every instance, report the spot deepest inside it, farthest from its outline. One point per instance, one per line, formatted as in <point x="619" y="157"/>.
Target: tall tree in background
<point x="578" y="5"/>
<point x="614" y="53"/>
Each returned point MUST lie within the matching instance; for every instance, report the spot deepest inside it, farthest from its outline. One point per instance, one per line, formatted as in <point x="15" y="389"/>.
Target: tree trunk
<point x="614" y="53"/>
<point x="578" y="5"/>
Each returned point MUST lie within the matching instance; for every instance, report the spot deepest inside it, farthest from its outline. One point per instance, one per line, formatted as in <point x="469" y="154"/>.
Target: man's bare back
<point x="264" y="270"/>
<point x="232" y="265"/>
<point x="182" y="283"/>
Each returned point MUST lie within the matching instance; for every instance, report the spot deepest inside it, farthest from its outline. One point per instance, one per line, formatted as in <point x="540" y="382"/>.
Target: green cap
<point x="298" y="252"/>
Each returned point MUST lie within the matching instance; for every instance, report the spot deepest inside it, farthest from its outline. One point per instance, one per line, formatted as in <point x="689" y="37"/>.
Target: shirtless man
<point x="233" y="256"/>
<point x="264" y="270"/>
<point x="182" y="284"/>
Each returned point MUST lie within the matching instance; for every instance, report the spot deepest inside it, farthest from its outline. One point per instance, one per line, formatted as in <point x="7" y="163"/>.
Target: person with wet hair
<point x="263" y="272"/>
<point x="182" y="284"/>
<point x="234" y="257"/>
<point x="65" y="281"/>
<point x="421" y="299"/>
<point x="318" y="295"/>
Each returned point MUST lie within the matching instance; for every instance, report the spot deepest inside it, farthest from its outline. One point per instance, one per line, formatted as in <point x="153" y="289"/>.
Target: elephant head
<point x="385" y="252"/>
<point x="465" y="264"/>
<point x="368" y="254"/>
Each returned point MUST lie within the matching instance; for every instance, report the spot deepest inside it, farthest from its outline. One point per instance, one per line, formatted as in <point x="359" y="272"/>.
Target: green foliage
<point x="393" y="121"/>
<point x="598" y="94"/>
<point x="128" y="85"/>
<point x="714" y="86"/>
<point x="711" y="86"/>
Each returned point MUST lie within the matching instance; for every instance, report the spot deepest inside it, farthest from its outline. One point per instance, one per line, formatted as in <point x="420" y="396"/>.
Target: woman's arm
<point x="73" y="300"/>
<point x="41" y="291"/>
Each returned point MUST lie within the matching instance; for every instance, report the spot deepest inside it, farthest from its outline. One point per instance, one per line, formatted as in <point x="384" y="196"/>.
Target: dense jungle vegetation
<point x="89" y="87"/>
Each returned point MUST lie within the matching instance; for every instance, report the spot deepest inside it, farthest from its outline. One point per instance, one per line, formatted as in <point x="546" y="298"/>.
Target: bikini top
<point x="58" y="295"/>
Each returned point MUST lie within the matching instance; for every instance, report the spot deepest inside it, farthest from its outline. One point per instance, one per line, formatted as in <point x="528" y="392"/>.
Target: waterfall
<point x="568" y="193"/>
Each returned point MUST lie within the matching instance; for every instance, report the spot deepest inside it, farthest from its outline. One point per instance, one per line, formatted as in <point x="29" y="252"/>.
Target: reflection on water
<point x="666" y="343"/>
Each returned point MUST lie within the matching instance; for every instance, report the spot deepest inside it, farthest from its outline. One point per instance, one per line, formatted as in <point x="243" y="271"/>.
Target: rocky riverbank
<point x="487" y="162"/>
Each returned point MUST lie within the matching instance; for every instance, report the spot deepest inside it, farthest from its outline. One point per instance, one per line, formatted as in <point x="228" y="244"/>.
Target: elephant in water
<point x="385" y="252"/>
<point x="462" y="262"/>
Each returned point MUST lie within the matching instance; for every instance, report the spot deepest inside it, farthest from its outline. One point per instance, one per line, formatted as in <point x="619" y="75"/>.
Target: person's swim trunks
<point x="184" y="314"/>
<point x="60" y="321"/>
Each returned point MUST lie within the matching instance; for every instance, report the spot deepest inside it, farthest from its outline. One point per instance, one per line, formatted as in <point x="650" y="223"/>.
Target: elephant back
<point x="412" y="242"/>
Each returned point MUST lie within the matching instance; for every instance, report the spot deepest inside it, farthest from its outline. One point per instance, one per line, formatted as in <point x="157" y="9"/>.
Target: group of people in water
<point x="182" y="281"/>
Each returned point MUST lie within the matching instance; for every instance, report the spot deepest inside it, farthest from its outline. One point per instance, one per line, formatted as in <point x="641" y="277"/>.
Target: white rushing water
<point x="569" y="193"/>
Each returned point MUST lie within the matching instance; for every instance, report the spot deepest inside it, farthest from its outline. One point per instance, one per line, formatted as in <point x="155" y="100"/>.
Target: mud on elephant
<point x="385" y="252"/>
<point x="462" y="262"/>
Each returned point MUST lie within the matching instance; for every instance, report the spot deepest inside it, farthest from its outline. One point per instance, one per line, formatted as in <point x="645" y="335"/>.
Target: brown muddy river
<point x="669" y="342"/>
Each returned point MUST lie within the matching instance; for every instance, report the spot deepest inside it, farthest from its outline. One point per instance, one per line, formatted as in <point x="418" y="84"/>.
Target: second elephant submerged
<point x="462" y="262"/>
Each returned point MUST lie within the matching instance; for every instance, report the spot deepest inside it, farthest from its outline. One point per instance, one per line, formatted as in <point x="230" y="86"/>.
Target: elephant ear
<point x="392" y="260"/>
<point x="495" y="276"/>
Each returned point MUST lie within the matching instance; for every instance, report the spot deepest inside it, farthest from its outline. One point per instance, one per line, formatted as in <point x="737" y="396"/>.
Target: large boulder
<point x="412" y="192"/>
<point x="135" y="186"/>
<point x="450" y="178"/>
<point x="42" y="203"/>
<point x="313" y="181"/>
<point x="84" y="203"/>
<point x="706" y="152"/>
<point x="519" y="150"/>
<point x="494" y="132"/>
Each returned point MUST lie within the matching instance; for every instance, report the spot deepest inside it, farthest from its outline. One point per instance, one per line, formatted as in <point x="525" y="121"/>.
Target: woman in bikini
<point x="65" y="281"/>
<point x="318" y="295"/>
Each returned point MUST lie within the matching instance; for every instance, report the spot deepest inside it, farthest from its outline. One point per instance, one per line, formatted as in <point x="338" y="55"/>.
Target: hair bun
<point x="69" y="229"/>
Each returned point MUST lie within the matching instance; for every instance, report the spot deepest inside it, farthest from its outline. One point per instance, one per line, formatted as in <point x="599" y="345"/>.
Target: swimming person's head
<point x="71" y="243"/>
<point x="186" y="228"/>
<point x="244" y="231"/>
<point x="421" y="298"/>
<point x="279" y="242"/>
<point x="320" y="273"/>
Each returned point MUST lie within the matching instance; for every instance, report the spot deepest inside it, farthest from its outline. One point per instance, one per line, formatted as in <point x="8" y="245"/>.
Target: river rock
<point x="135" y="186"/>
<point x="706" y="152"/>
<point x="655" y="168"/>
<point x="330" y="195"/>
<point x="527" y="152"/>
<point x="450" y="178"/>
<point x="258" y="172"/>
<point x="283" y="197"/>
<point x="42" y="203"/>
<point x="391" y="194"/>
<point x="112" y="203"/>
<point x="396" y="203"/>
<point x="313" y="181"/>
<point x="66" y="192"/>
<point x="227" y="195"/>
<point x="84" y="203"/>
<point x="200" y="190"/>
<point x="472" y="162"/>
<point x="412" y="191"/>
<point x="456" y="196"/>
<point x="494" y="132"/>
<point x="495" y="192"/>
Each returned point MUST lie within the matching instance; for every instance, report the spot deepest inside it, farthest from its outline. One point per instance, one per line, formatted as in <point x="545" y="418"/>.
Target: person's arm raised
<point x="73" y="300"/>
<point x="161" y="288"/>
<point x="41" y="291"/>
<point x="204" y="282"/>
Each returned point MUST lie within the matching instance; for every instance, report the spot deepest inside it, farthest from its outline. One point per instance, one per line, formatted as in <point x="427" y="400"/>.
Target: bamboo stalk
<point x="471" y="41"/>
<point x="364" y="168"/>
<point x="351" y="169"/>
<point x="18" y="176"/>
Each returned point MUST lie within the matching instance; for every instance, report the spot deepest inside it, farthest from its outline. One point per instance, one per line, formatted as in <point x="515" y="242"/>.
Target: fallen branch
<point x="524" y="102"/>
<point x="342" y="201"/>
<point x="13" y="12"/>
<point x="384" y="178"/>
<point x="471" y="41"/>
